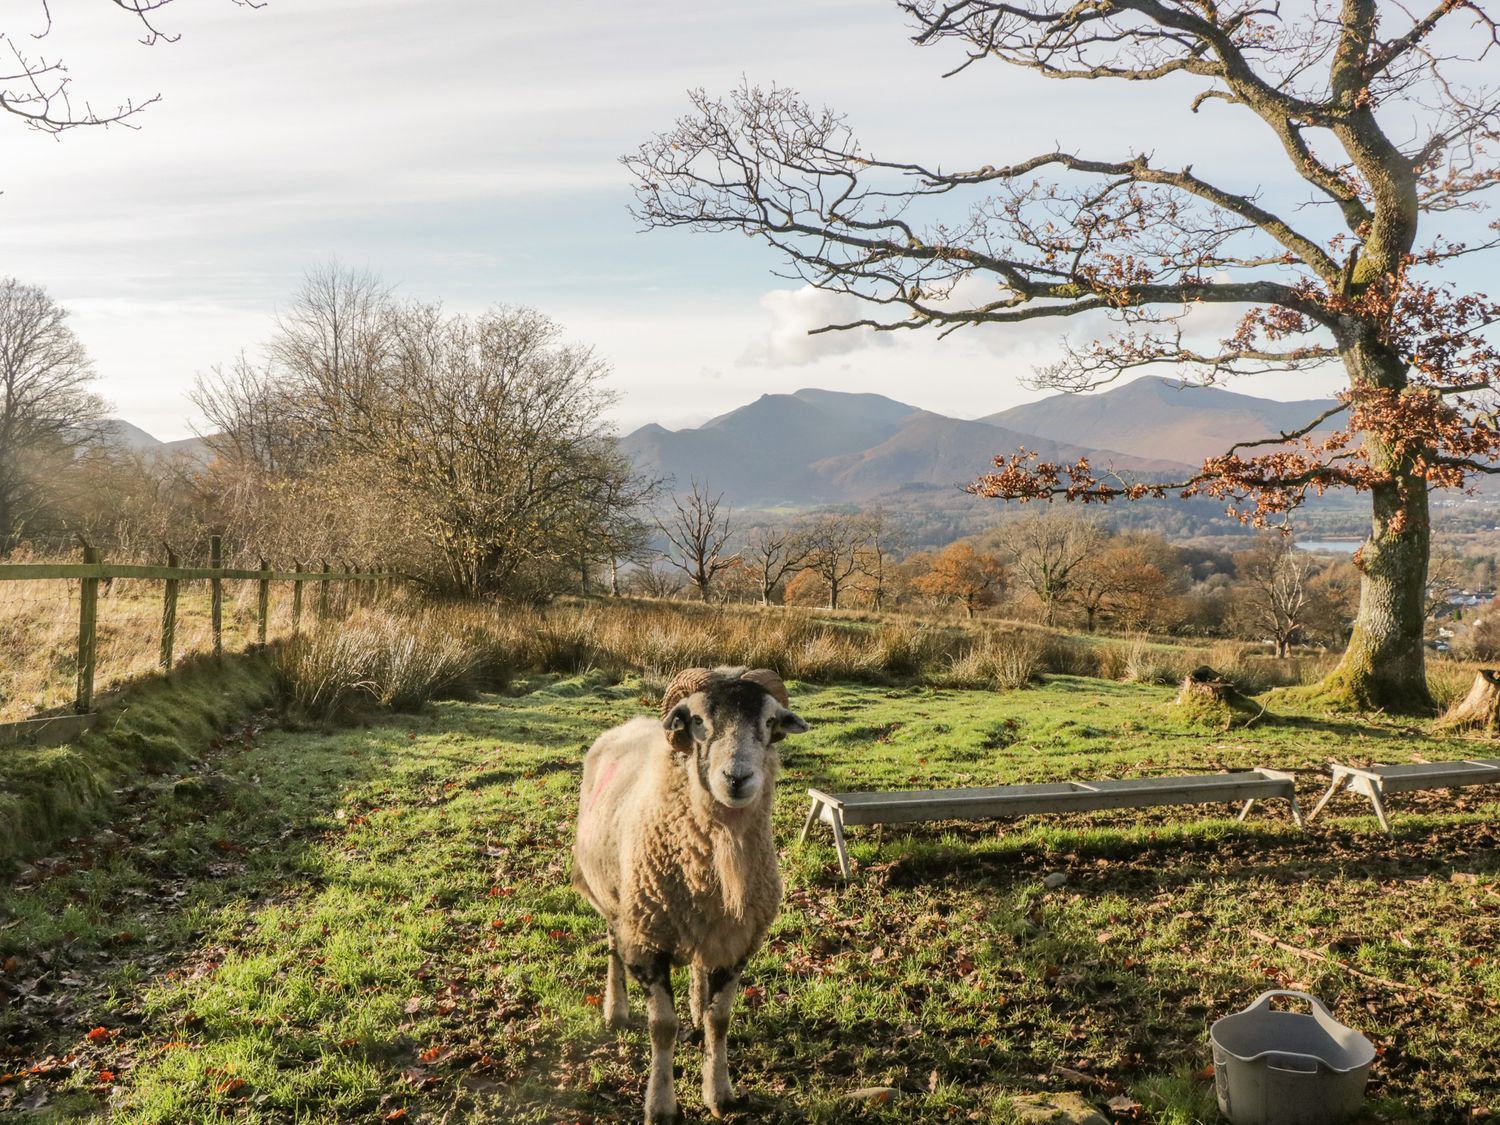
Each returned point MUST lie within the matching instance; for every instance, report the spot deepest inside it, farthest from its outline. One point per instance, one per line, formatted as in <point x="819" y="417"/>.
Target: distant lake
<point x="1330" y="546"/>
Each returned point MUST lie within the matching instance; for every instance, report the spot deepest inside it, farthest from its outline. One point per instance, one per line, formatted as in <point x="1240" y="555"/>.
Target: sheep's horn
<point x="683" y="685"/>
<point x="771" y="682"/>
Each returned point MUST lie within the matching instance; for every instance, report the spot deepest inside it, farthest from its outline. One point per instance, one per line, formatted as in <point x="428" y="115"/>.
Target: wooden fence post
<point x="169" y="615"/>
<point x="349" y="595"/>
<point x="323" y="594"/>
<point x="263" y="603"/>
<point x="216" y="592"/>
<point x="88" y="633"/>
<point x="296" y="598"/>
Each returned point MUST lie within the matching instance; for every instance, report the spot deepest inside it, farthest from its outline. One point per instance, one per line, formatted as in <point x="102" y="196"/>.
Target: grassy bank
<point x="374" y="924"/>
<point x="147" y="734"/>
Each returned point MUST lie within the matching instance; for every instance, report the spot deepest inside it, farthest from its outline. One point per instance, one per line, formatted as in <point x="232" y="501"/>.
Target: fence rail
<point x="93" y="570"/>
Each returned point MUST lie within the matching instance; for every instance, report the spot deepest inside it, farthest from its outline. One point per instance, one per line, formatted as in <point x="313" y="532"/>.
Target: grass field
<point x="375" y="924"/>
<point x="39" y="635"/>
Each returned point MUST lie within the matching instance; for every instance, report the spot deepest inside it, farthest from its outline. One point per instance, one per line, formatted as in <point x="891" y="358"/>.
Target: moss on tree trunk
<point x="1384" y="666"/>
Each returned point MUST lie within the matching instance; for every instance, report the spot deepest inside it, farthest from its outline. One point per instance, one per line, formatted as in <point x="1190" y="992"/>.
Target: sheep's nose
<point x="738" y="781"/>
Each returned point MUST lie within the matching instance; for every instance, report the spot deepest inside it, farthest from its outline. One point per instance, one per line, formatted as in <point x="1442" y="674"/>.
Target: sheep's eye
<point x="698" y="721"/>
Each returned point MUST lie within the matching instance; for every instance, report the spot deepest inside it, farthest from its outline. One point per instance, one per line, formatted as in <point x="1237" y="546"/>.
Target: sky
<point x="468" y="151"/>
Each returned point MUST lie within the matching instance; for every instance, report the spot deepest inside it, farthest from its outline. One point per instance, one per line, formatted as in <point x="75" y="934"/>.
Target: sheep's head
<point x="726" y="722"/>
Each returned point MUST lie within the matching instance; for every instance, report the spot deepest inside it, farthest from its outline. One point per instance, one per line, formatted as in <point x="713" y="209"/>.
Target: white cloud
<point x="794" y="314"/>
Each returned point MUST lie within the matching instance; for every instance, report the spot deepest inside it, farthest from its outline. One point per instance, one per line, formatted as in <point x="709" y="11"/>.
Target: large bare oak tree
<point x="1380" y="115"/>
<point x="37" y="87"/>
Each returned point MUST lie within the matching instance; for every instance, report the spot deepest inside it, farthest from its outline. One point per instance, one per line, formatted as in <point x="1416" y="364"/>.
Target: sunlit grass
<point x="347" y="923"/>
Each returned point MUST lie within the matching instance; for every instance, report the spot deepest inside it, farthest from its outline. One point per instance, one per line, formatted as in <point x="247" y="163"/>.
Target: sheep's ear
<point x="788" y="722"/>
<point x="677" y="724"/>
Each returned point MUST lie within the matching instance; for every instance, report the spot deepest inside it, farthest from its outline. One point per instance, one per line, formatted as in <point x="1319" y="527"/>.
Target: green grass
<point x="338" y="925"/>
<point x="146" y="729"/>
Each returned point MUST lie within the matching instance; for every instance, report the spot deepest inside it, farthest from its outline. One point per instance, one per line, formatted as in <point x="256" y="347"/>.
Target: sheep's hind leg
<point x="616" y="1004"/>
<point x="718" y="1094"/>
<point x="655" y="976"/>
<point x="697" y="992"/>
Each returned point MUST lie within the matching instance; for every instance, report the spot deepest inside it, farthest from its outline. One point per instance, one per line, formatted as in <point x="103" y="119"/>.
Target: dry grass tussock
<point x="405" y="651"/>
<point x="374" y="656"/>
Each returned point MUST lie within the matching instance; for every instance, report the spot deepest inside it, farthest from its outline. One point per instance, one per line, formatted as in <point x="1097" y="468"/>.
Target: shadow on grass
<point x="231" y="818"/>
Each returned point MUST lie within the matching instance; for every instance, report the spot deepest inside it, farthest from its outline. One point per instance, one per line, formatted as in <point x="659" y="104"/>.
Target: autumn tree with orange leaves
<point x="1382" y="117"/>
<point x="961" y="574"/>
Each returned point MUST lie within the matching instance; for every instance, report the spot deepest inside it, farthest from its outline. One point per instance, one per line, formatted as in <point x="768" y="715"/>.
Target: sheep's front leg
<point x="723" y="984"/>
<point x="616" y="1005"/>
<point x="655" y="976"/>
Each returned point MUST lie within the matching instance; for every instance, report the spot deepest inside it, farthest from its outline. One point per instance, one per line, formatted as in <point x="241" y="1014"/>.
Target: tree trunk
<point x="614" y="576"/>
<point x="1281" y="648"/>
<point x="1384" y="666"/>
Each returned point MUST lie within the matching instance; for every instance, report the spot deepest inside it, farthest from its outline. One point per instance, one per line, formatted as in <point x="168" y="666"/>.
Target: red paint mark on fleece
<point x="588" y="812"/>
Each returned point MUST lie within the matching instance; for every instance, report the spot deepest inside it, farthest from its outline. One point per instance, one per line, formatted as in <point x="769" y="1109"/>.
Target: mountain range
<point x="133" y="439"/>
<point x="819" y="447"/>
<point x="826" y="447"/>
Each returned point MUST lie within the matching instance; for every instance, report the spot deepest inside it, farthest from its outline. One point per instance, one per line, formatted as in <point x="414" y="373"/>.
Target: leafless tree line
<point x="472" y="452"/>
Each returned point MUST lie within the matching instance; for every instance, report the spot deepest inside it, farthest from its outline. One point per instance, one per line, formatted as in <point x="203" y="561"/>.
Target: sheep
<point x="674" y="849"/>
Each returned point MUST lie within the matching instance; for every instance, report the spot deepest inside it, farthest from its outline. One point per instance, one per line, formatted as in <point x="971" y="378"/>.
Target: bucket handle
<point x="1264" y="1001"/>
<point x="1272" y="1057"/>
<point x="1326" y="1020"/>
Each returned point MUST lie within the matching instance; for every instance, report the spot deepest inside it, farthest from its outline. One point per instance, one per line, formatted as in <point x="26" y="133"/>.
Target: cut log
<point x="1480" y="709"/>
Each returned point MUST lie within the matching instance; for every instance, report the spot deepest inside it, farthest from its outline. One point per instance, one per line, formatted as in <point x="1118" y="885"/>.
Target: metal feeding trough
<point x="1288" y="1068"/>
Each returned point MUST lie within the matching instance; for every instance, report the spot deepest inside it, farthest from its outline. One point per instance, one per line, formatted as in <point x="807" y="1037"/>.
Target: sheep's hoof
<point x="617" y="1021"/>
<point x="718" y="1109"/>
<point x="720" y="1104"/>
<point x="662" y="1116"/>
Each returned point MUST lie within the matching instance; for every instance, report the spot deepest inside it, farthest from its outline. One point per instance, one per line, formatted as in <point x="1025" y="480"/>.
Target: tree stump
<point x="1204" y="685"/>
<point x="1208" y="698"/>
<point x="1480" y="709"/>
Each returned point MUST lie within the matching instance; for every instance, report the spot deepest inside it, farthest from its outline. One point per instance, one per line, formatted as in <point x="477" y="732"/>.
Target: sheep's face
<point x="727" y="736"/>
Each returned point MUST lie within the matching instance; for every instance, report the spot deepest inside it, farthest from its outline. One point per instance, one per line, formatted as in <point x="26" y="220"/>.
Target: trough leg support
<point x="1340" y="779"/>
<point x="838" y="841"/>
<point x="1245" y="809"/>
<point x="1376" y="799"/>
<point x="812" y="817"/>
<point x="1297" y="812"/>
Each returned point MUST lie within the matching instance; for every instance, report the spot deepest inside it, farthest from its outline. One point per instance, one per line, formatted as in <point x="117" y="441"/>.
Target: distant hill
<point x="1156" y="417"/>
<point x="824" y="447"/>
<point x="763" y="452"/>
<point x="133" y="439"/>
<point x="936" y="450"/>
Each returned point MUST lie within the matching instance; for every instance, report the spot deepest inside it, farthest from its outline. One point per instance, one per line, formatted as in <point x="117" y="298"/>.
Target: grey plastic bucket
<point x="1287" y="1068"/>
